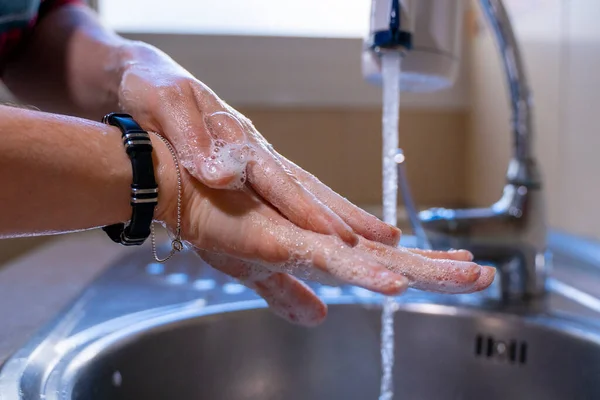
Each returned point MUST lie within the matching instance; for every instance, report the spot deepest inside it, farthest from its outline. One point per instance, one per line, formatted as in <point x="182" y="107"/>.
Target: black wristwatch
<point x="144" y="190"/>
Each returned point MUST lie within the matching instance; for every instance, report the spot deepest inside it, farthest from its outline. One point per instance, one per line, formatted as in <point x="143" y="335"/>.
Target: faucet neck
<point x="524" y="172"/>
<point x="520" y="96"/>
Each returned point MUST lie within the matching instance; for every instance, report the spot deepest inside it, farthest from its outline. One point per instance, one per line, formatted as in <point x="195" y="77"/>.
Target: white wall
<point x="306" y="18"/>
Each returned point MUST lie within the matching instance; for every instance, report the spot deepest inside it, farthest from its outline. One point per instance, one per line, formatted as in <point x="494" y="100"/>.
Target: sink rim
<point x="74" y="352"/>
<point x="66" y="373"/>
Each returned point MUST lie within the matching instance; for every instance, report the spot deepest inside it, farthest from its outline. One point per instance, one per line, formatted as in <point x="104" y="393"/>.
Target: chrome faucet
<point x="511" y="233"/>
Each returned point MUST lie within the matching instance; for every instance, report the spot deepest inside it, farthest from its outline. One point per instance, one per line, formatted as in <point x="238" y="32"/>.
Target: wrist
<point x="136" y="52"/>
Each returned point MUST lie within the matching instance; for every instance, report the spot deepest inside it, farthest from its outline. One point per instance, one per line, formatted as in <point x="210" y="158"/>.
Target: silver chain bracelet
<point x="176" y="243"/>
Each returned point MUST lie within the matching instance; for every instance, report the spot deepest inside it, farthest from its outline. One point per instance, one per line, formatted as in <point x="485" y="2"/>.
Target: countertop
<point x="38" y="285"/>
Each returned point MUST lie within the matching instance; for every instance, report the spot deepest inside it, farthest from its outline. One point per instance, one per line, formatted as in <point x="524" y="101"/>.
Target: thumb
<point x="212" y="148"/>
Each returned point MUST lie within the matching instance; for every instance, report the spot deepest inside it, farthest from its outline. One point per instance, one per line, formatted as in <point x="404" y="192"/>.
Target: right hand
<point x="242" y="235"/>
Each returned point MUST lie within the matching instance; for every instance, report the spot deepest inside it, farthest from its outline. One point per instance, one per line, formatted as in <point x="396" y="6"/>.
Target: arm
<point x="71" y="64"/>
<point x="61" y="173"/>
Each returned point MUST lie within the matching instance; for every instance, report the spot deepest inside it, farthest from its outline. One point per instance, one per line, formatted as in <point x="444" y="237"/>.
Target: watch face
<point x="17" y="13"/>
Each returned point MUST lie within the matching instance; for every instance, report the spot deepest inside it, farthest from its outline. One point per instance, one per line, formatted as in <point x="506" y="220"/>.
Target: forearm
<point x="60" y="174"/>
<point x="71" y="64"/>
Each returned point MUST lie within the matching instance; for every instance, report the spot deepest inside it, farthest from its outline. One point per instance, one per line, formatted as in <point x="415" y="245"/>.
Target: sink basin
<point x="442" y="352"/>
<point x="184" y="331"/>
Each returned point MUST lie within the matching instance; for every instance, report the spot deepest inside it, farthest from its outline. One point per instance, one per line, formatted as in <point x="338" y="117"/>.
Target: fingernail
<point x="488" y="273"/>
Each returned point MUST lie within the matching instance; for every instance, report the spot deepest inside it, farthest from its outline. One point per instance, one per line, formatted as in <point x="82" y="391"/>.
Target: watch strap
<point x="144" y="190"/>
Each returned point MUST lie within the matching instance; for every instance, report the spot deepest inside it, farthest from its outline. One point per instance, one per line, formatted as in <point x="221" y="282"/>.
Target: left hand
<point x="221" y="148"/>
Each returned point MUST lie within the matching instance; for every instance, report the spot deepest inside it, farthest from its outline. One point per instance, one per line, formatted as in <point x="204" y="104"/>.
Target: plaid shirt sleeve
<point x="11" y="40"/>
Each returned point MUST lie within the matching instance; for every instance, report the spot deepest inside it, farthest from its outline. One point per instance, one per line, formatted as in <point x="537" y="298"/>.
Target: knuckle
<point x="173" y="89"/>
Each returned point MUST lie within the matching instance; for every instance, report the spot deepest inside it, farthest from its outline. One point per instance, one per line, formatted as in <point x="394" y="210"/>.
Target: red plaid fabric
<point x="10" y="40"/>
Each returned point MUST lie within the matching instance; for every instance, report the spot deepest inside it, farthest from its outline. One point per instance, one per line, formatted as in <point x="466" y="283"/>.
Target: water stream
<point x="391" y="65"/>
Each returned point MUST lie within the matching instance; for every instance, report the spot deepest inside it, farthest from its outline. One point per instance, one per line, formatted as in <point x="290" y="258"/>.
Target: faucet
<point x="510" y="233"/>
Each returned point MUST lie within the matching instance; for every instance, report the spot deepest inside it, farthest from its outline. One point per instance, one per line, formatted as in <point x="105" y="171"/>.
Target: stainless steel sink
<point x="442" y="353"/>
<point x="183" y="331"/>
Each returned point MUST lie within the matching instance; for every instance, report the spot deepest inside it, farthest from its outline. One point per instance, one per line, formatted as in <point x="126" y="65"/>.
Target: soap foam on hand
<point x="329" y="261"/>
<point x="229" y="152"/>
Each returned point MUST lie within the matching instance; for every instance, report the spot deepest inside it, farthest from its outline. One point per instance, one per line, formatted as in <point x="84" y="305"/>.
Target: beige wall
<point x="561" y="47"/>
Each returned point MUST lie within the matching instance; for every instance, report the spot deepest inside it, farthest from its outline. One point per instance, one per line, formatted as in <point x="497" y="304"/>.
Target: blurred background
<point x="293" y="67"/>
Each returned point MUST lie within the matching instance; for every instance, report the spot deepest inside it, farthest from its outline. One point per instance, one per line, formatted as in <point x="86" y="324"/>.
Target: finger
<point x="431" y="274"/>
<point x="486" y="277"/>
<point x="363" y="223"/>
<point x="458" y="255"/>
<point x="286" y="296"/>
<point x="327" y="257"/>
<point x="280" y="187"/>
<point x="291" y="299"/>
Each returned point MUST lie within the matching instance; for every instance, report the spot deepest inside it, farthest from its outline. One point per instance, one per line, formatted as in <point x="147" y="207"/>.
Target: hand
<point x="222" y="149"/>
<point x="242" y="235"/>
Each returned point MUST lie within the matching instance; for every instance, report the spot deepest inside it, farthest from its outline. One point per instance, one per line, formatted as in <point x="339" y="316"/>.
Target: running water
<point x="391" y="63"/>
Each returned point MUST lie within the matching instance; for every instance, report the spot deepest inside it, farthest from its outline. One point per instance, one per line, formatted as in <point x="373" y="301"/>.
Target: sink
<point x="442" y="353"/>
<point x="184" y="331"/>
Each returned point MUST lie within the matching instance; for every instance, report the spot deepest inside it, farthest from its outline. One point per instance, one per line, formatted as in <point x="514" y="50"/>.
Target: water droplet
<point x="233" y="288"/>
<point x="330" y="291"/>
<point x="117" y="379"/>
<point x="361" y="292"/>
<point x="177" y="278"/>
<point x="155" y="268"/>
<point x="204" y="284"/>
